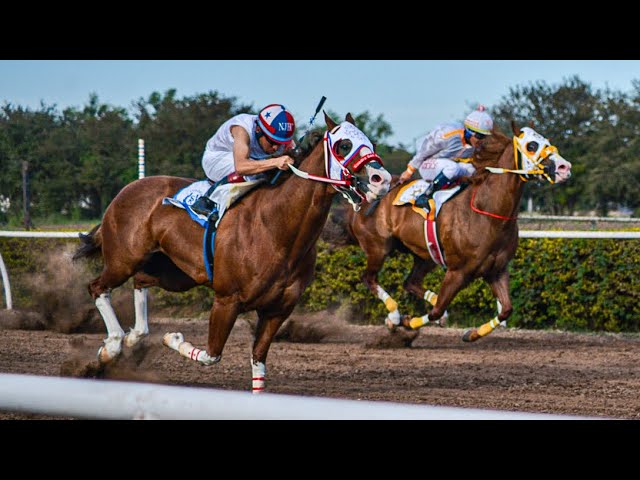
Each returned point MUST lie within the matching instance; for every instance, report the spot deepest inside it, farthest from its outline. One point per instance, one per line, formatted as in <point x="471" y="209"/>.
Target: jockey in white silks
<point x="446" y="151"/>
<point x="242" y="150"/>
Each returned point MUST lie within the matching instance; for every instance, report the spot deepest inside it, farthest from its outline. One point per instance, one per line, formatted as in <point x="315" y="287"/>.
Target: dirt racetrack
<point x="321" y="355"/>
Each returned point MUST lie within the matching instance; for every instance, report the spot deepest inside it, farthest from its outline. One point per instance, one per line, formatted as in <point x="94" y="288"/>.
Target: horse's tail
<point x="90" y="244"/>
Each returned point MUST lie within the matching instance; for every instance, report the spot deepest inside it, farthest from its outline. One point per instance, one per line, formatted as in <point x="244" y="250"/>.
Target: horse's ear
<point x="515" y="128"/>
<point x="329" y="121"/>
<point x="349" y="118"/>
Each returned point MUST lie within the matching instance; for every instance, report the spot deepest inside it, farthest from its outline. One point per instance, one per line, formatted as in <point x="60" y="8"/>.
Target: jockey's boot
<point x="439" y="182"/>
<point x="203" y="206"/>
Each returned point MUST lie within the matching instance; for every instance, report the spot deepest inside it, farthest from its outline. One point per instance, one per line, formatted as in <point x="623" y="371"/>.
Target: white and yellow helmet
<point x="479" y="121"/>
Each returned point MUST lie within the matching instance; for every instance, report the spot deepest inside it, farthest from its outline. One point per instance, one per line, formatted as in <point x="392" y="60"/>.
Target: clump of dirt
<point x="132" y="364"/>
<point x="21" y="320"/>
<point x="311" y="327"/>
<point x="399" y="338"/>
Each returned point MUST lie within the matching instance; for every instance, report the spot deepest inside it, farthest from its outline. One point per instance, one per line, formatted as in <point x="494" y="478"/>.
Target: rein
<point x="530" y="160"/>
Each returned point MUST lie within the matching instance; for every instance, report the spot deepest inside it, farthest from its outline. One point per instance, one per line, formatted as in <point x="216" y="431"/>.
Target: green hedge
<point x="568" y="284"/>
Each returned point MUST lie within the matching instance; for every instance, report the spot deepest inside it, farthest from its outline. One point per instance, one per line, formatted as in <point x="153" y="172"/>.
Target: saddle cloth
<point x="411" y="191"/>
<point x="408" y="195"/>
<point x="187" y="197"/>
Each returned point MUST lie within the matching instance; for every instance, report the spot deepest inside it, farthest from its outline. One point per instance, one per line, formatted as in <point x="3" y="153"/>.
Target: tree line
<point x="77" y="160"/>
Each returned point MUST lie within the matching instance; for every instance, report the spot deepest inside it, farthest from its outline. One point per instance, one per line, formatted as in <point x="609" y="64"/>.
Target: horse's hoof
<point x="104" y="356"/>
<point x="390" y="325"/>
<point x="470" y="335"/>
<point x="133" y="337"/>
<point x="405" y="322"/>
<point x="173" y="340"/>
<point x="442" y="321"/>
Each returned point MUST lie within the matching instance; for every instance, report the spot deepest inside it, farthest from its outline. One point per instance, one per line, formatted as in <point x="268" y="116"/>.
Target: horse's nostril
<point x="376" y="178"/>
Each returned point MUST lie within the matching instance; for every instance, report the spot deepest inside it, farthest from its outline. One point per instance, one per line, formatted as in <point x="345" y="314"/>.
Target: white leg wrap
<point x="103" y="302"/>
<point x="113" y="343"/>
<point x="393" y="318"/>
<point x="430" y="297"/>
<point x="141" y="327"/>
<point x="499" y="306"/>
<point x="258" y="373"/>
<point x="140" y="304"/>
<point x="176" y="342"/>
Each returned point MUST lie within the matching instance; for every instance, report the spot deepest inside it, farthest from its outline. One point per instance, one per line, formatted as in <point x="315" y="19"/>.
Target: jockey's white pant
<point x="217" y="165"/>
<point x="431" y="167"/>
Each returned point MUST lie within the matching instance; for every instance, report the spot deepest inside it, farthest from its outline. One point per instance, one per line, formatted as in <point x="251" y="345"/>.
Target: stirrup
<point x="203" y="206"/>
<point x="422" y="200"/>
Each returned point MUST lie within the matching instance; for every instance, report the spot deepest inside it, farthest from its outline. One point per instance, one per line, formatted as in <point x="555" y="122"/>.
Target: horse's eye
<point x="345" y="147"/>
<point x="532" y="147"/>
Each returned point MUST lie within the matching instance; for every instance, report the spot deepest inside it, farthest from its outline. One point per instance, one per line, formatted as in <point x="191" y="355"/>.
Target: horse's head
<point x="351" y="161"/>
<point x="535" y="155"/>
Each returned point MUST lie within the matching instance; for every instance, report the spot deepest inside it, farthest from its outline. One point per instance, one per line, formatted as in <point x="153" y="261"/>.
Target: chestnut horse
<point x="478" y="229"/>
<point x="265" y="250"/>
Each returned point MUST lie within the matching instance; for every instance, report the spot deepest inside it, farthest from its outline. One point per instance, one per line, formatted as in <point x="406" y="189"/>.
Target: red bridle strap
<point x="369" y="157"/>
<point x="489" y="214"/>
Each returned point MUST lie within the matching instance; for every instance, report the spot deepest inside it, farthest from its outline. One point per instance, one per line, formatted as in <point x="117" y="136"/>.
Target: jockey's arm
<point x="245" y="165"/>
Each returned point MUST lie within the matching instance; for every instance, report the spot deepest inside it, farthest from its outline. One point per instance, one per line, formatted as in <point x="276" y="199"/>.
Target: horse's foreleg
<point x="453" y="282"/>
<point x="221" y="319"/>
<point x="176" y="342"/>
<point x="500" y="288"/>
<point x="266" y="328"/>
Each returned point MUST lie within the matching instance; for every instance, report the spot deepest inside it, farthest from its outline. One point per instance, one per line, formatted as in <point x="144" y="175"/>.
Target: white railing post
<point x="140" y="158"/>
<point x="5" y="283"/>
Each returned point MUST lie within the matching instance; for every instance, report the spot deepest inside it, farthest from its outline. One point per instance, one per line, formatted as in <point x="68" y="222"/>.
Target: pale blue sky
<point x="413" y="95"/>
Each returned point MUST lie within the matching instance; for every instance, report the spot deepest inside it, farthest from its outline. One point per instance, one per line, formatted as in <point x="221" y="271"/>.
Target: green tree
<point x="175" y="131"/>
<point x="567" y="114"/>
<point x="22" y="134"/>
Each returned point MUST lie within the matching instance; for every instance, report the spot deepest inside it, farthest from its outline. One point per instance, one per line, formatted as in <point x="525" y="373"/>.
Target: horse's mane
<point x="304" y="147"/>
<point x="488" y="154"/>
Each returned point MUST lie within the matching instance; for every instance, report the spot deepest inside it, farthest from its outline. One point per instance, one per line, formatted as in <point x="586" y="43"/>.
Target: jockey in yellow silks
<point x="441" y="157"/>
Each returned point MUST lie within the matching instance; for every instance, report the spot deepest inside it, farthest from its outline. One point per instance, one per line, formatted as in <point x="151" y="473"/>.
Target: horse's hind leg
<point x="413" y="284"/>
<point x="453" y="282"/>
<point x="157" y="271"/>
<point x="100" y="290"/>
<point x="141" y="284"/>
<point x="500" y="288"/>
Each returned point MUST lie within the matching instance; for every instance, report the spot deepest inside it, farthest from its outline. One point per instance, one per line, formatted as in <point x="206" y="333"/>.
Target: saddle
<point x="407" y="196"/>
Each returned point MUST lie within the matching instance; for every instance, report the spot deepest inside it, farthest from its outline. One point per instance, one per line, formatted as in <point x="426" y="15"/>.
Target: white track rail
<point x="107" y="399"/>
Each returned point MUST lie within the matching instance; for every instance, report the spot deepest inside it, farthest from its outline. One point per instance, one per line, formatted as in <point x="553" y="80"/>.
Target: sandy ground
<point x="321" y="355"/>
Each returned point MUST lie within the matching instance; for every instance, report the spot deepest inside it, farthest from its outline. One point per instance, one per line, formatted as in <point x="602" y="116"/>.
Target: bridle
<point x="337" y="172"/>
